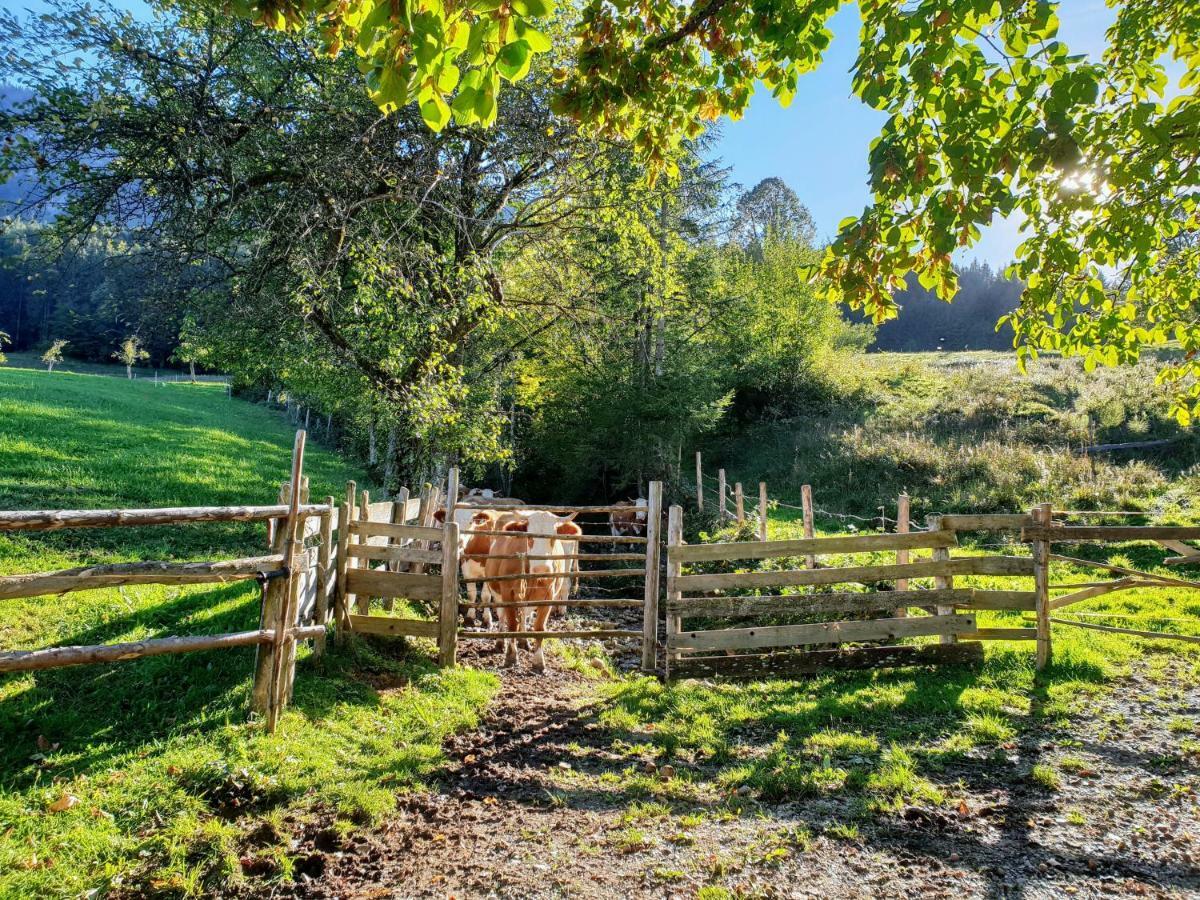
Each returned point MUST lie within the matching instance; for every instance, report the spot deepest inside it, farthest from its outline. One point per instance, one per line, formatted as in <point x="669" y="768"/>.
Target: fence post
<point x="902" y="518"/>
<point x="942" y="582"/>
<point x="699" y="484"/>
<point x="762" y="511"/>
<point x="723" y="508"/>
<point x="1041" y="586"/>
<point x="674" y="539"/>
<point x="264" y="656"/>
<point x="363" y="602"/>
<point x="806" y="504"/>
<point x="324" y="554"/>
<point x="345" y="542"/>
<point x="448" y="610"/>
<point x="281" y="674"/>
<point x="739" y="503"/>
<point x="650" y="605"/>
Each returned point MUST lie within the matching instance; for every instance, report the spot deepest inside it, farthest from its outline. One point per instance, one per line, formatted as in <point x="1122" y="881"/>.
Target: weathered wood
<point x="673" y="621"/>
<point x="380" y="583"/>
<point x="1098" y="590"/>
<point x="823" y="633"/>
<point x="597" y="634"/>
<point x="284" y="662"/>
<point x="1191" y="559"/>
<point x="806" y="604"/>
<point x="1078" y="534"/>
<point x="806" y="505"/>
<point x="944" y="580"/>
<point x="650" y="609"/>
<point x="969" y="565"/>
<point x="1040" y="549"/>
<point x="84" y="578"/>
<point x="857" y="543"/>
<point x="1186" y="638"/>
<point x="324" y="575"/>
<point x="582" y="557"/>
<point x="1128" y="445"/>
<point x="988" y="522"/>
<point x="699" y="484"/>
<point x="1000" y="634"/>
<point x="739" y="503"/>
<point x="565" y="538"/>
<point x="342" y="596"/>
<point x="903" y="513"/>
<point x="264" y="657"/>
<point x="762" y="511"/>
<point x="448" y="609"/>
<point x="787" y="665"/>
<point x="55" y="657"/>
<point x="387" y="529"/>
<point x="1015" y="600"/>
<point x="582" y="573"/>
<point x="394" y="554"/>
<point x="538" y="507"/>
<point x="55" y="519"/>
<point x="394" y="627"/>
<point x="582" y="603"/>
<point x="723" y="505"/>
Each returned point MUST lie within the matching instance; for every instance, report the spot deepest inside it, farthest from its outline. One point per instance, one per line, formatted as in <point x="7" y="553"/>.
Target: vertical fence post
<point x="699" y="484"/>
<point x="739" y="503"/>
<point x="400" y="517"/>
<point x="674" y="539"/>
<point x="324" y="554"/>
<point x="723" y="508"/>
<point x="806" y="504"/>
<point x="363" y="601"/>
<point x="448" y="611"/>
<point x="1041" y="586"/>
<point x="349" y="562"/>
<point x="650" y="605"/>
<point x="942" y="582"/>
<point x="902" y="520"/>
<point x="281" y="676"/>
<point x="264" y="658"/>
<point x="762" y="510"/>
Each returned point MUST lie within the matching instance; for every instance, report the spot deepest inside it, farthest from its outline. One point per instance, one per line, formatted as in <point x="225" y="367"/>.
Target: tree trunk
<point x="192" y="369"/>
<point x="372" y="453"/>
<point x="129" y="371"/>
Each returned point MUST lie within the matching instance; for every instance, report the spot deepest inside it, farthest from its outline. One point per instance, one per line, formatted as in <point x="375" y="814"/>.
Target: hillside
<point x="167" y="776"/>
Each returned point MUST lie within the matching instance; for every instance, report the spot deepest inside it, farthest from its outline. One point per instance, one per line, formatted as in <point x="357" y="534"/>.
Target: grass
<point x="148" y="772"/>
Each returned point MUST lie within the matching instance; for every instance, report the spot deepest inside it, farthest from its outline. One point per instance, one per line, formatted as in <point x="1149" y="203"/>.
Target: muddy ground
<point x="532" y="804"/>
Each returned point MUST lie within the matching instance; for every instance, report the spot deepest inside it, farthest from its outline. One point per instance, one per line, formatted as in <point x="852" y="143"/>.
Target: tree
<point x="772" y="209"/>
<point x="53" y="355"/>
<point x="130" y="354"/>
<point x="989" y="114"/>
<point x="192" y="347"/>
<point x="4" y="339"/>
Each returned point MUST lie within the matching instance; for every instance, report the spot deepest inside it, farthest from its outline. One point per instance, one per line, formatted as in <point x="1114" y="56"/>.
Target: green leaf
<point x="537" y="41"/>
<point x="435" y="112"/>
<point x="513" y="60"/>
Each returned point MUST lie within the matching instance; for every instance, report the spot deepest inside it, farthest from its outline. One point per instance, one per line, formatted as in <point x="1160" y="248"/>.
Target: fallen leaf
<point x="173" y="770"/>
<point x="964" y="811"/>
<point x="469" y="759"/>
<point x="63" y="803"/>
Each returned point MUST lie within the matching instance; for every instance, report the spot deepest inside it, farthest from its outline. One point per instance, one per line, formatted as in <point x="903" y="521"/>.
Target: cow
<point x="532" y="533"/>
<point x="627" y="521"/>
<point x="473" y="549"/>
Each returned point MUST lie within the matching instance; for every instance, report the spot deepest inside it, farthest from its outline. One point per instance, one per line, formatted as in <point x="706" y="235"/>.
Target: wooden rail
<point x="56" y="519"/>
<point x="388" y="529"/>
<point x="85" y="578"/>
<point x="599" y="633"/>
<point x="535" y="507"/>
<point x="577" y="538"/>
<point x="863" y="543"/>
<point x="1065" y="534"/>
<point x="542" y="576"/>
<point x="972" y="565"/>
<point x="814" y="662"/>
<point x="824" y="632"/>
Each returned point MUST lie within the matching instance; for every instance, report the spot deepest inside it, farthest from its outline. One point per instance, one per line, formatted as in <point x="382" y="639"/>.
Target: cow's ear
<point x="440" y="515"/>
<point x="569" y="527"/>
<point x="519" y="525"/>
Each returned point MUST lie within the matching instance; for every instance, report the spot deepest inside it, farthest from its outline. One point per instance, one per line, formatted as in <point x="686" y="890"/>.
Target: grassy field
<point x="148" y="772"/>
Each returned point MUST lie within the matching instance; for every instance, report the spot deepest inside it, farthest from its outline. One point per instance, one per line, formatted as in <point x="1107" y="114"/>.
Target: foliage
<point x="768" y="210"/>
<point x="174" y="785"/>
<point x="130" y="354"/>
<point x="988" y="114"/>
<point x="53" y="354"/>
<point x="5" y="339"/>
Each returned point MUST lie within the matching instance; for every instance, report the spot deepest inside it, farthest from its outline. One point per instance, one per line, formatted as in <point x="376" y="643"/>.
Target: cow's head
<point x="440" y="517"/>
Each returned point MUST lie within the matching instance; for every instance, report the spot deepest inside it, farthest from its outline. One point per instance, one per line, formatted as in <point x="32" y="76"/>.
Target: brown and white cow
<point x="532" y="533"/>
<point x="628" y="521"/>
<point x="473" y="549"/>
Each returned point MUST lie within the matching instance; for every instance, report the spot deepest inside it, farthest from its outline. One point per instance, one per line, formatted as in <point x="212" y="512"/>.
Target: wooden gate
<point x="640" y="549"/>
<point x="840" y="617"/>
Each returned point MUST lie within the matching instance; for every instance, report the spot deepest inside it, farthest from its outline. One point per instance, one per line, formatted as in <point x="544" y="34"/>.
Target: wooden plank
<point x="1181" y="548"/>
<point x="381" y="511"/>
<point x="970" y="565"/>
<point x="55" y="519"/>
<point x="789" y="665"/>
<point x="380" y="583"/>
<point x="1165" y="580"/>
<point x="739" y="503"/>
<point x="823" y="633"/>
<point x="805" y="604"/>
<point x="1040" y="549"/>
<point x="56" y="657"/>
<point x="597" y="634"/>
<point x="673" y="621"/>
<point x="550" y="576"/>
<point x="943" y="581"/>
<point x="1099" y="590"/>
<point x="1066" y="534"/>
<point x="723" y="504"/>
<point x="1000" y="634"/>
<point x="448" y="602"/>
<point x="858" y="543"/>
<point x="1018" y="600"/>
<point x="762" y="511"/>
<point x="394" y="627"/>
<point x="521" y="604"/>
<point x="582" y="557"/>
<point x="537" y="507"/>
<point x="387" y="529"/>
<point x="84" y="578"/>
<point x="284" y="656"/>
<point x="806" y="505"/>
<point x="699" y="484"/>
<point x="903" y="521"/>
<point x="394" y="554"/>
<point x="988" y="522"/>
<point x="650" y="594"/>
<point x="1186" y="638"/>
<point x="324" y="574"/>
<point x="565" y="538"/>
<point x="1190" y="560"/>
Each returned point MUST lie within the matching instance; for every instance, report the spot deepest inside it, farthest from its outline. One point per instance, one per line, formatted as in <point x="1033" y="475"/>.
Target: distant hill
<point x="969" y="323"/>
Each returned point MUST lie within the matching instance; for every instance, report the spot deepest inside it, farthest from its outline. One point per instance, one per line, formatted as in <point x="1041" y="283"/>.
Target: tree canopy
<point x="989" y="114"/>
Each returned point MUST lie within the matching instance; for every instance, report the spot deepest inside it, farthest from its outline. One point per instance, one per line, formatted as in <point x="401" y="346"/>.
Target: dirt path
<point x="537" y="803"/>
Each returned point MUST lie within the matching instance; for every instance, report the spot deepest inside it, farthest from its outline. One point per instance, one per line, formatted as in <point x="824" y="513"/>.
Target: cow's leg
<point x="509" y="616"/>
<point x="470" y="614"/>
<point x="541" y="614"/>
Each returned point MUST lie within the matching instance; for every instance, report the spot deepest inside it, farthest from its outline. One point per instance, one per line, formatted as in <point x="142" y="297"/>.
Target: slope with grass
<point x="147" y="775"/>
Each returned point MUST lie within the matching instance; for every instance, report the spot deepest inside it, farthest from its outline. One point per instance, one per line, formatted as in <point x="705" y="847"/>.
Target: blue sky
<point x="818" y="145"/>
